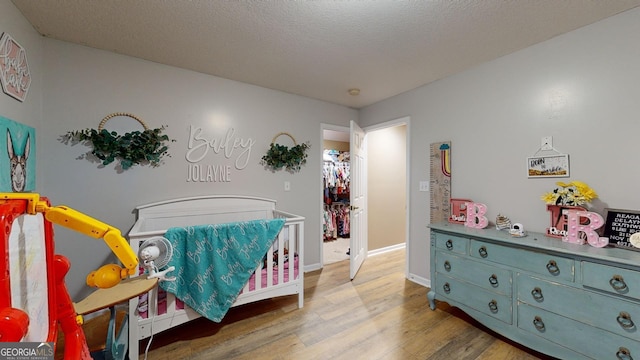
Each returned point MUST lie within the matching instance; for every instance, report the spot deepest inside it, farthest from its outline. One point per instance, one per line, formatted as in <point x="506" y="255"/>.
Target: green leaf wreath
<point x="132" y="148"/>
<point x="281" y="156"/>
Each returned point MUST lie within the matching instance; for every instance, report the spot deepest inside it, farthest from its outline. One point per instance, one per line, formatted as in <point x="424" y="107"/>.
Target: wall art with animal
<point x="17" y="156"/>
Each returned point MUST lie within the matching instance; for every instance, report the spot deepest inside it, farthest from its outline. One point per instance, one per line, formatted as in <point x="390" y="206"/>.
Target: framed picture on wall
<point x="545" y="166"/>
<point x="17" y="156"/>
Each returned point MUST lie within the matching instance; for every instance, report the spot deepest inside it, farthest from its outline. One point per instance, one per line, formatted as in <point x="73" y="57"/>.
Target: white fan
<point x="155" y="254"/>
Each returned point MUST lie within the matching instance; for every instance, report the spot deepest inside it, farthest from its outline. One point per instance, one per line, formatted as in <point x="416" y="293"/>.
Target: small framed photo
<point x="545" y="166"/>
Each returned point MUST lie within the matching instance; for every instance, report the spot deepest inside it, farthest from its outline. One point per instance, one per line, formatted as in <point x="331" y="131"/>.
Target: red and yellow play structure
<point x="27" y="219"/>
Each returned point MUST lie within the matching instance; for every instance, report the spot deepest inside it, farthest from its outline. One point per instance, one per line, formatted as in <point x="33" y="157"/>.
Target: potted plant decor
<point x="566" y="196"/>
<point x="133" y="148"/>
<point x="574" y="193"/>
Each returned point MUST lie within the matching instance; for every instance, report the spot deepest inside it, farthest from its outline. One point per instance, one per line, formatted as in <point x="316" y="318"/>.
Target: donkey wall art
<point x="17" y="172"/>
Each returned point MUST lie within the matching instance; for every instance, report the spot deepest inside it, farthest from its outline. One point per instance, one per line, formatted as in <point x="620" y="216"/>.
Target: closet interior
<point x="336" y="185"/>
<point x="336" y="194"/>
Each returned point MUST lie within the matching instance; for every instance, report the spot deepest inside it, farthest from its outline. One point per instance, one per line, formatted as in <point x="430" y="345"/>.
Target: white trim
<point x="312" y="267"/>
<point x="419" y="280"/>
<point x="387" y="249"/>
<point x="391" y="123"/>
<point x="323" y="127"/>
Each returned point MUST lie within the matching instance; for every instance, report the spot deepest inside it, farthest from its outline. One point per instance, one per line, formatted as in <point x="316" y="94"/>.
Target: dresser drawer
<point x="588" y="340"/>
<point x="452" y="243"/>
<point x="540" y="263"/>
<point x="487" y="302"/>
<point x="612" y="314"/>
<point x="611" y="279"/>
<point x="481" y="274"/>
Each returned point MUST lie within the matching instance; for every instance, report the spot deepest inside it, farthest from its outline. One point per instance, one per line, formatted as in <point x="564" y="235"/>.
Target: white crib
<point x="154" y="219"/>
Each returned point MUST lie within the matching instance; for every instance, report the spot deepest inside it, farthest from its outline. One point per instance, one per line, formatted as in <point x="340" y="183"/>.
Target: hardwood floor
<point x="379" y="315"/>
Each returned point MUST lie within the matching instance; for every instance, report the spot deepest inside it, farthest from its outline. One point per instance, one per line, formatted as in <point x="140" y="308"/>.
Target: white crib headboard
<point x="156" y="218"/>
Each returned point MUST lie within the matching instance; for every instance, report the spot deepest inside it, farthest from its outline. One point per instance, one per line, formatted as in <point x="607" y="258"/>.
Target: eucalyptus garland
<point x="281" y="156"/>
<point x="132" y="148"/>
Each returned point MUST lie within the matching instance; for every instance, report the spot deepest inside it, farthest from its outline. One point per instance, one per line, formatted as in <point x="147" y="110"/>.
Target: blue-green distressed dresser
<point x="566" y="300"/>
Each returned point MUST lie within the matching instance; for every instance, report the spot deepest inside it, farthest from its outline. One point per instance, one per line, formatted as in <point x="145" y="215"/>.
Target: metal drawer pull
<point x="624" y="319"/>
<point x="449" y="244"/>
<point x="617" y="283"/>
<point x="537" y="294"/>
<point x="493" y="280"/>
<point x="538" y="323"/>
<point x="483" y="252"/>
<point x="553" y="267"/>
<point x="624" y="354"/>
<point x="447" y="265"/>
<point x="493" y="306"/>
<point x="446" y="288"/>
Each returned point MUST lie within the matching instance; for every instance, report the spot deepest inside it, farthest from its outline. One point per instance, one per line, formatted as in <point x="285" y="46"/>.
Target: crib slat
<point x="281" y="248"/>
<point x="292" y="252"/>
<point x="271" y="266"/>
<point x="269" y="269"/>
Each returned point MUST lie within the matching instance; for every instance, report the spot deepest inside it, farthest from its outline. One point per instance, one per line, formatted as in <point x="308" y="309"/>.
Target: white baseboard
<point x="312" y="267"/>
<point x="419" y="280"/>
<point x="386" y="249"/>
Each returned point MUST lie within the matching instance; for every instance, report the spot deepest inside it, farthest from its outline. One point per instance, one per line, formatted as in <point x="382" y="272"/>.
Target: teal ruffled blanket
<point x="214" y="262"/>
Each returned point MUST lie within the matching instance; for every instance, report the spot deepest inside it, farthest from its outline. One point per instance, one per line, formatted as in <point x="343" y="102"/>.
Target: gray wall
<point x="83" y="85"/>
<point x="496" y="114"/>
<point x="74" y="87"/>
<point x="28" y="112"/>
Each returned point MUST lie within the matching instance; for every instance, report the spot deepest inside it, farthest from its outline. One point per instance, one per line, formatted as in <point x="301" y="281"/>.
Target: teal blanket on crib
<point x="214" y="262"/>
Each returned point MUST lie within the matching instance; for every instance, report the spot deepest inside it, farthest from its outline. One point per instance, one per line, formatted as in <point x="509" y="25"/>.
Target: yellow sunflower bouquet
<point x="573" y="193"/>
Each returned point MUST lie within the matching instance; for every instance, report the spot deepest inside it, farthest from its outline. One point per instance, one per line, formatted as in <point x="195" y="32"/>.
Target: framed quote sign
<point x="14" y="69"/>
<point x="545" y="166"/>
<point x="620" y="225"/>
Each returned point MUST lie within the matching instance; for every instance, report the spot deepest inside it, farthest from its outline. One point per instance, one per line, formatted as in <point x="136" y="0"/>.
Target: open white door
<point x="358" y="199"/>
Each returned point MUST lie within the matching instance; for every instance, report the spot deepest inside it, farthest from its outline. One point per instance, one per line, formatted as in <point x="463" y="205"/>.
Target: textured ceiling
<point x="318" y="49"/>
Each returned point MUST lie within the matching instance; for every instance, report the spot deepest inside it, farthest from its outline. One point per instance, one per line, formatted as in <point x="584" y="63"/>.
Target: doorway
<point x="387" y="187"/>
<point x="336" y="185"/>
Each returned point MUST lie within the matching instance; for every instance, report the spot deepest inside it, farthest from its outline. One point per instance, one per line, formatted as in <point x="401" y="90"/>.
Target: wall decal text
<point x="228" y="145"/>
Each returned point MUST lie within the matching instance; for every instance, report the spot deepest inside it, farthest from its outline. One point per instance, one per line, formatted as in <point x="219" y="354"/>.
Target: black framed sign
<point x="619" y="225"/>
